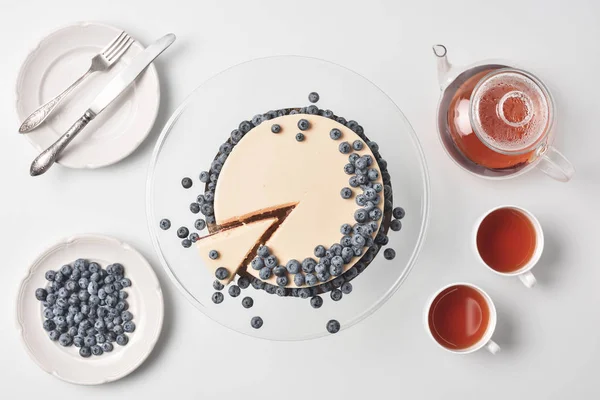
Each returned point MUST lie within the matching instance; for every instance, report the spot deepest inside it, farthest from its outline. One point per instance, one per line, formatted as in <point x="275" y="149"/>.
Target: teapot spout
<point x="443" y="66"/>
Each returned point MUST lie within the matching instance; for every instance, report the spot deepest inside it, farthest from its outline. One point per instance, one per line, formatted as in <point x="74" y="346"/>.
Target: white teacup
<point x="486" y="338"/>
<point x="524" y="272"/>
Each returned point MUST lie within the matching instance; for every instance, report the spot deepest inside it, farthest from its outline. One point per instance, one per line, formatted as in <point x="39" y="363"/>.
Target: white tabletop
<point x="549" y="334"/>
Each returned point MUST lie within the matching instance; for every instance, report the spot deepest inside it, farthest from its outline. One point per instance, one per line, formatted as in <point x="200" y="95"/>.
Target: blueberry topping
<point x="353" y="181"/>
<point x="320" y="251"/>
<point x="195" y="208"/>
<point x="271" y="261"/>
<point x="221" y="273"/>
<point x="336" y="295"/>
<point x="194" y="237"/>
<point x="313" y="97"/>
<point x="85" y="352"/>
<point x="247" y="302"/>
<point x="313" y="110"/>
<point x="346" y="229"/>
<point x="346" y="193"/>
<point x="360" y="215"/>
<point x="375" y="214"/>
<point x="122" y="339"/>
<point x="264" y="273"/>
<point x="257" y="263"/>
<point x="299" y="279"/>
<point x="263" y="251"/>
<point x="398" y="212"/>
<point x="282" y="280"/>
<point x="346" y="288"/>
<point x="213" y="254"/>
<point x="300" y="137"/>
<point x="396" y="225"/>
<point x="333" y="326"/>
<point x="217" y="285"/>
<point x="256" y="322"/>
<point x="187" y="243"/>
<point x="275" y="128"/>
<point x="186" y="183"/>
<point x="234" y="291"/>
<point x="357" y="145"/>
<point x="372" y="174"/>
<point x="349" y="169"/>
<point x="335" y="134"/>
<point x="308" y="265"/>
<point x="182" y="233"/>
<point x="389" y="254"/>
<point x="378" y="187"/>
<point x="217" y="297"/>
<point x="345" y="147"/>
<point x="303" y="124"/>
<point x="281" y="291"/>
<point x="293" y="266"/>
<point x="311" y="279"/>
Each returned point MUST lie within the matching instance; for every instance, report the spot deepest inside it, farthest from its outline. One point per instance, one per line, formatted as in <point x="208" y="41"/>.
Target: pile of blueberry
<point x="85" y="306"/>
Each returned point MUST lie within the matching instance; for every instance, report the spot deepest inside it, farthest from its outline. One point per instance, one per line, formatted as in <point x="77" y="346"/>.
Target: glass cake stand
<point x="190" y="141"/>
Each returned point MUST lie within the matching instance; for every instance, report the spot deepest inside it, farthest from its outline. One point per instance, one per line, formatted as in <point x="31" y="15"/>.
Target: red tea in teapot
<point x="494" y="115"/>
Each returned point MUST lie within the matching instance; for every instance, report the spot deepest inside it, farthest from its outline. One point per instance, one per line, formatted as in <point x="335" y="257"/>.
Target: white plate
<point x="145" y="302"/>
<point x="56" y="62"/>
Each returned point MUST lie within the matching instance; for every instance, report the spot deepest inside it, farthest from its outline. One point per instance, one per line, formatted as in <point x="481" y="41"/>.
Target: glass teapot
<point x="497" y="121"/>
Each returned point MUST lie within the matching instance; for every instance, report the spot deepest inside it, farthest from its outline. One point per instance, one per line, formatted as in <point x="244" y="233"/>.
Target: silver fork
<point x="101" y="62"/>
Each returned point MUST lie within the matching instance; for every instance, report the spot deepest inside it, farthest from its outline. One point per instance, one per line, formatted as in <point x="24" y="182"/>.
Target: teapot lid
<point x="510" y="111"/>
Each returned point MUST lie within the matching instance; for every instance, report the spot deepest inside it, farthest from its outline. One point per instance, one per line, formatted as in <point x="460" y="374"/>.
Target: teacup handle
<point x="492" y="347"/>
<point x="555" y="165"/>
<point x="528" y="279"/>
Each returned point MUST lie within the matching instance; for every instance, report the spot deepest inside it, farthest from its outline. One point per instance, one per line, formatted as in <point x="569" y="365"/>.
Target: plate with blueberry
<point x="90" y="310"/>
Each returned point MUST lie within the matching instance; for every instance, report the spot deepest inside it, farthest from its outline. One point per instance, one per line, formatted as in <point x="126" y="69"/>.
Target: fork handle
<point x="38" y="116"/>
<point x="44" y="161"/>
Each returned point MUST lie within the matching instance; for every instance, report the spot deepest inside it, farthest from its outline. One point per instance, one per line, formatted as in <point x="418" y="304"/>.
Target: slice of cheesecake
<point x="234" y="246"/>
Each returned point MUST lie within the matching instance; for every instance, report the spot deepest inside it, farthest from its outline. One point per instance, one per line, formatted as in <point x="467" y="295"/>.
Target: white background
<point x="549" y="335"/>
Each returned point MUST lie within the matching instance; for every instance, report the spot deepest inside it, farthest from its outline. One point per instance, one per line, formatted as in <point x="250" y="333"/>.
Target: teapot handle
<point x="554" y="164"/>
<point x="443" y="66"/>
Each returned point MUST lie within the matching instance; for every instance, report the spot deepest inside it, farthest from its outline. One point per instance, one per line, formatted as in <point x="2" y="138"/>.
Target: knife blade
<point x="114" y="88"/>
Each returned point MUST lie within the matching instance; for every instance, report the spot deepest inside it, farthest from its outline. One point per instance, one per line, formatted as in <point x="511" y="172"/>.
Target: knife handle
<point x="44" y="161"/>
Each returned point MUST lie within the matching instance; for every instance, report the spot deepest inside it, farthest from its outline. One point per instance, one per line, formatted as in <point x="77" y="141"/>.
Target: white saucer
<point x="56" y="62"/>
<point x="145" y="302"/>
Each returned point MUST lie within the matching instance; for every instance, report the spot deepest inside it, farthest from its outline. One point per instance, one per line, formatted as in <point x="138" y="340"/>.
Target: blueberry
<point x="204" y="177"/>
<point x="195" y="208"/>
<point x="92" y="288"/>
<point x="337" y="267"/>
<point x="361" y="200"/>
<point x="378" y="187"/>
<point x="344" y="147"/>
<point x="264" y="273"/>
<point x="221" y="273"/>
<point x="361" y="163"/>
<point x="256" y="322"/>
<point x="398" y="212"/>
<point x="351" y="274"/>
<point x="243" y="282"/>
<point x="65" y="340"/>
<point x="336" y="249"/>
<point x="323" y="276"/>
<point x="225" y="148"/>
<point x="59" y="277"/>
<point x="48" y="313"/>
<point x="81" y="264"/>
<point x="361" y="179"/>
<point x="279" y="270"/>
<point x="210" y="219"/>
<point x="78" y="341"/>
<point x="200" y="224"/>
<point x="361" y="215"/>
<point x="85" y="352"/>
<point x="183" y="232"/>
<point x="281" y="291"/>
<point x="186" y="183"/>
<point x="346" y="241"/>
<point x="346" y="193"/>
<point x="206" y="210"/>
<point x="346" y="288"/>
<point x="271" y="289"/>
<point x="353" y="181"/>
<point x="271" y="261"/>
<point x="335" y="134"/>
<point x="293" y="266"/>
<point x="313" y="97"/>
<point x="316" y="302"/>
<point x="326" y="261"/>
<point x="126" y="316"/>
<point x="304" y="293"/>
<point x="300" y="137"/>
<point x="299" y="279"/>
<point x="263" y="251"/>
<point x="282" y="280"/>
<point x="122" y="305"/>
<point x="257" y="284"/>
<point x="50" y="274"/>
<point x="217" y="297"/>
<point x="311" y="279"/>
<point x="375" y="214"/>
<point x="338" y="282"/>
<point x="89" y="341"/>
<point x="275" y="128"/>
<point x="122" y="339"/>
<point x="347" y="254"/>
<point x="357" y="145"/>
<point x="389" y="254"/>
<point x="303" y="124"/>
<point x="49" y="325"/>
<point x="107" y="347"/>
<point x="245" y="126"/>
<point x="123" y="295"/>
<point x="186" y="243"/>
<point x="336" y="295"/>
<point x="66" y="270"/>
<point x="372" y="174"/>
<point x="129" y="326"/>
<point x="333" y="326"/>
<point x="96" y="350"/>
<point x="308" y="265"/>
<point x="41" y="294"/>
<point x="345" y="229"/>
<point x="396" y="225"/>
<point x="320" y="251"/>
<point x="257" y="263"/>
<point x="213" y="254"/>
<point x="217" y="285"/>
<point x="358" y="241"/>
<point x="387" y="192"/>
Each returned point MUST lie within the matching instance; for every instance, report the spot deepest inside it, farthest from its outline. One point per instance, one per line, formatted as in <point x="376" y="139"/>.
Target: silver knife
<point x="115" y="87"/>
